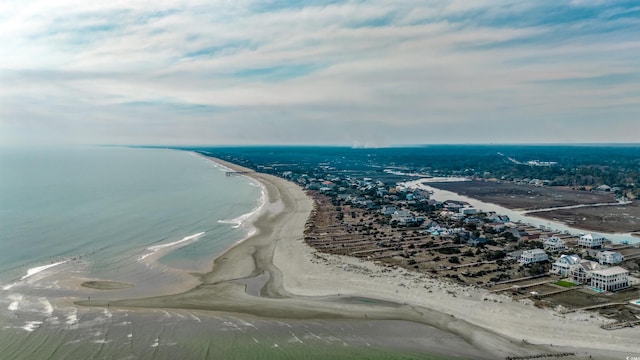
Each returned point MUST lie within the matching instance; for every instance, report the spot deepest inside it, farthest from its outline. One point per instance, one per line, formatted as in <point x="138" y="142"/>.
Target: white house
<point x="402" y="216"/>
<point x="554" y="243"/>
<point x="533" y="256"/>
<point x="468" y="211"/>
<point x="581" y="272"/>
<point x="388" y="210"/>
<point x="405" y="217"/>
<point x="610" y="279"/>
<point x="610" y="258"/>
<point x="591" y="240"/>
<point x="563" y="265"/>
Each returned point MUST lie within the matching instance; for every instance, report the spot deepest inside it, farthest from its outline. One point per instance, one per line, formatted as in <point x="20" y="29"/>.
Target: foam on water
<point x="15" y="301"/>
<point x="48" y="308"/>
<point x="244" y="219"/>
<point x="171" y="246"/>
<point x="31" y="272"/>
<point x="72" y="317"/>
<point x="31" y="326"/>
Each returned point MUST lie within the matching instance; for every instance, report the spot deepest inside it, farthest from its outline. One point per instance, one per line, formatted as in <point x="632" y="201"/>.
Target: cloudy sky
<point x="319" y="72"/>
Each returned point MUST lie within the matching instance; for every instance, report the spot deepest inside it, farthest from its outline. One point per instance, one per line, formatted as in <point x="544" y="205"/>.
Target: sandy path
<point x="297" y="282"/>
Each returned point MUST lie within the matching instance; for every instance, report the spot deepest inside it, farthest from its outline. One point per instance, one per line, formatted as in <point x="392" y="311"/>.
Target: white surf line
<point x="253" y="214"/>
<point x="15" y="302"/>
<point x="155" y="250"/>
<point x="32" y="271"/>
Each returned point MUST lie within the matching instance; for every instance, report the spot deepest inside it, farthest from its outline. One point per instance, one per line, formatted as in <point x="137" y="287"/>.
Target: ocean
<point x="104" y="205"/>
<point x="145" y="218"/>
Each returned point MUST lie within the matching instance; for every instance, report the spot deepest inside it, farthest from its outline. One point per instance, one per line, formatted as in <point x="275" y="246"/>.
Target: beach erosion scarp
<point x="297" y="282"/>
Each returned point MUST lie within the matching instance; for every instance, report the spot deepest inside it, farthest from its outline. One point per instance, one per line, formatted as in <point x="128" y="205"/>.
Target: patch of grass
<point x="566" y="284"/>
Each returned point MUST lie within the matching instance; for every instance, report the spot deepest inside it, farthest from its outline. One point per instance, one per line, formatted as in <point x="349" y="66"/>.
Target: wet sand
<point x="274" y="274"/>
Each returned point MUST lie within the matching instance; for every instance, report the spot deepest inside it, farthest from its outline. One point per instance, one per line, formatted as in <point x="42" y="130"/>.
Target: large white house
<point x="533" y="256"/>
<point x="554" y="244"/>
<point x="591" y="240"/>
<point x="563" y="265"/>
<point x="610" y="258"/>
<point x="610" y="279"/>
<point x="581" y="272"/>
<point x="405" y="217"/>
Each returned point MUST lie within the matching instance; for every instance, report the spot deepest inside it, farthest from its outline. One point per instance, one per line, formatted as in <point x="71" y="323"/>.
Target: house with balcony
<point x="554" y="244"/>
<point x="581" y="272"/>
<point x="533" y="256"/>
<point x="610" y="279"/>
<point x="610" y="258"/>
<point x="563" y="265"/>
<point x="591" y="241"/>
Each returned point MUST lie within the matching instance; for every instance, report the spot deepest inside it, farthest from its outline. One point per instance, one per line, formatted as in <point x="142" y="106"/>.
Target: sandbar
<point x="106" y="285"/>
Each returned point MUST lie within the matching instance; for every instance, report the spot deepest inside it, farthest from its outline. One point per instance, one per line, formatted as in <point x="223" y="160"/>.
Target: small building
<point x="533" y="256"/>
<point x="610" y="258"/>
<point x="591" y="241"/>
<point x="563" y="265"/>
<point x="610" y="279"/>
<point x="554" y="244"/>
<point x="603" y="188"/>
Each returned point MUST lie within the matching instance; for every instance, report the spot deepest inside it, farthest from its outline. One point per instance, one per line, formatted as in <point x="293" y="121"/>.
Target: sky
<point x="361" y="73"/>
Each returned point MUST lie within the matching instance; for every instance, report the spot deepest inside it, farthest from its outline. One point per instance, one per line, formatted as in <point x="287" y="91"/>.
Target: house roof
<point x="615" y="270"/>
<point x="570" y="259"/>
<point x="533" y="252"/>
<point x="592" y="236"/>
<point x="589" y="265"/>
<point x="611" y="253"/>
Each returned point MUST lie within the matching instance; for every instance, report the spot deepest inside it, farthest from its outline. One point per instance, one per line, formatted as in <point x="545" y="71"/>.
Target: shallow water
<point x="106" y="205"/>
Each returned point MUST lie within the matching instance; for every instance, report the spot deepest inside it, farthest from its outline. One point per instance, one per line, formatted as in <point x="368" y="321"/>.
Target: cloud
<point x="175" y="71"/>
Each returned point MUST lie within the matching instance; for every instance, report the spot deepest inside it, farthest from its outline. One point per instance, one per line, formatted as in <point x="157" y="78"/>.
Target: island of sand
<point x="275" y="274"/>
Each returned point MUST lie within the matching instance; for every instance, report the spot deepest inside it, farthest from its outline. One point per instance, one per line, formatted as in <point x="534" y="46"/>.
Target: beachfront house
<point x="563" y="265"/>
<point x="554" y="244"/>
<point x="533" y="256"/>
<point x="500" y="219"/>
<point x="468" y="211"/>
<point x="581" y="272"/>
<point x="591" y="241"/>
<point x="610" y="279"/>
<point x="405" y="217"/>
<point x="496" y="227"/>
<point x="610" y="258"/>
<point x="388" y="210"/>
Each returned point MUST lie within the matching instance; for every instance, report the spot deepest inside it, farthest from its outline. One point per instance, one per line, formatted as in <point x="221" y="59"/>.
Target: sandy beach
<point x="274" y="274"/>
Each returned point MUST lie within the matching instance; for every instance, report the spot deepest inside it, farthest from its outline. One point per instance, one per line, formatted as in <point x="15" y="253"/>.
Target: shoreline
<point x="297" y="282"/>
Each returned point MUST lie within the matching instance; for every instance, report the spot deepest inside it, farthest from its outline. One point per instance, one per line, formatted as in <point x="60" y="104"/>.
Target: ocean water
<point x="146" y="217"/>
<point x="105" y="205"/>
